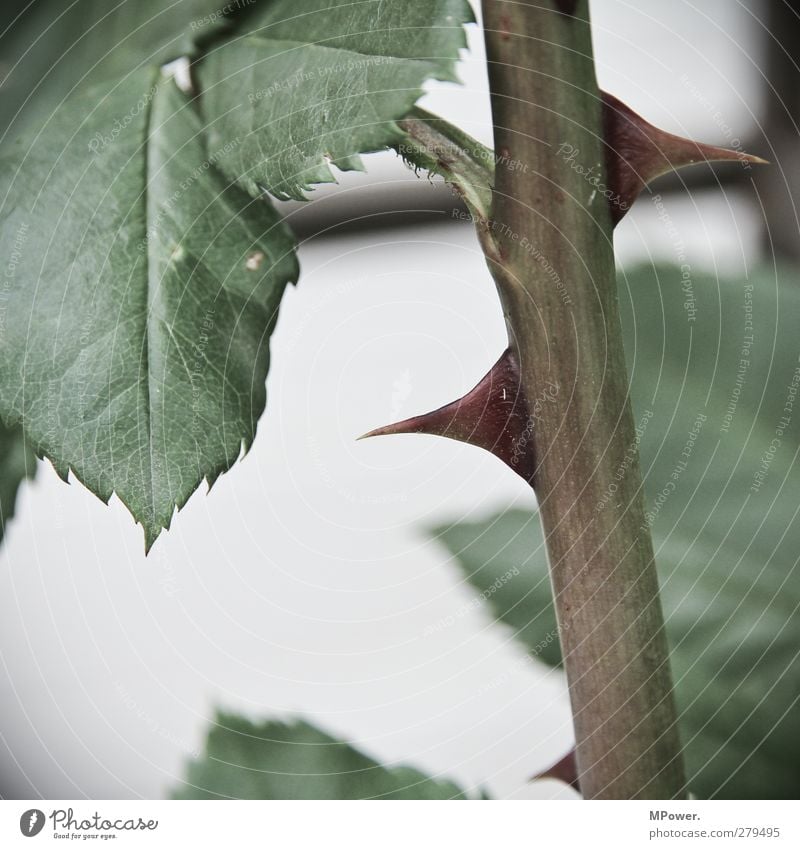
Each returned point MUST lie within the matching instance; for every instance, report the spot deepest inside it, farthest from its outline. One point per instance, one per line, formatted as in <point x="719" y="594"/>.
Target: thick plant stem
<point x="554" y="265"/>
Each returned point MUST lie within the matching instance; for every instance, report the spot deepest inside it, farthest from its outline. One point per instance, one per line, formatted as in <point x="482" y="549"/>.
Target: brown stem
<point x="556" y="279"/>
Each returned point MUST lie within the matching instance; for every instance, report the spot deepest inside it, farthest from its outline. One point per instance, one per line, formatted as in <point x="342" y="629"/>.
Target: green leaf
<point x="135" y="350"/>
<point x="53" y="46"/>
<point x="321" y="83"/>
<point x="120" y="37"/>
<point x="505" y="560"/>
<point x="17" y="462"/>
<point x="721" y="496"/>
<point x="275" y="760"/>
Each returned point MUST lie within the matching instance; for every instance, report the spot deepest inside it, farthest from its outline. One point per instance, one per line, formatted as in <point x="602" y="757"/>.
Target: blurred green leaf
<point x="321" y="82"/>
<point x="135" y="346"/>
<point x="275" y="760"/>
<point x="722" y="497"/>
<point x="505" y="560"/>
<point x="17" y="462"/>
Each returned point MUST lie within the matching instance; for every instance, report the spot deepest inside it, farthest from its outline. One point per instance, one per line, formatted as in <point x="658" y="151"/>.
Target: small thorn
<point x="637" y="152"/>
<point x="493" y="416"/>
<point x="565" y="770"/>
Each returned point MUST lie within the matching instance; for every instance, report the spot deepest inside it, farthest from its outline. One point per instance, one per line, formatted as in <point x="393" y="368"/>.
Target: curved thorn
<point x="637" y="152"/>
<point x="565" y="770"/>
<point x="493" y="416"/>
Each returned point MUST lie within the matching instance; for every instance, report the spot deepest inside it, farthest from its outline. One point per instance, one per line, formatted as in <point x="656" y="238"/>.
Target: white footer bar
<point x="401" y="825"/>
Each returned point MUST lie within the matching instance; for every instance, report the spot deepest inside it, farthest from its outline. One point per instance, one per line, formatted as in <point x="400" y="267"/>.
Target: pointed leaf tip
<point x="637" y="152"/>
<point x="493" y="416"/>
<point x="565" y="770"/>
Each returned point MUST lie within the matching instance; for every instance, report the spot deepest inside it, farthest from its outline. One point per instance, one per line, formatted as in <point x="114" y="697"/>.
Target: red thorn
<point x="565" y="770"/>
<point x="638" y="152"/>
<point x="493" y="416"/>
